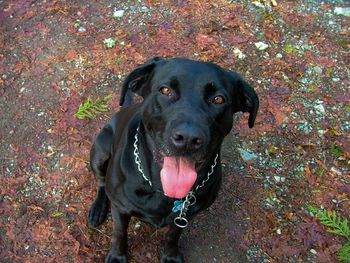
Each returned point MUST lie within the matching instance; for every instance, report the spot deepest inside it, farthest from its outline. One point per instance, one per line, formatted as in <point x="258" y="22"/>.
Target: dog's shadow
<point x="217" y="234"/>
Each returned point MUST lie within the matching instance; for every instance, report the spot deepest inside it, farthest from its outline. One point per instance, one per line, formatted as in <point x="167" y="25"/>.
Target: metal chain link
<point x="190" y="198"/>
<point x="137" y="158"/>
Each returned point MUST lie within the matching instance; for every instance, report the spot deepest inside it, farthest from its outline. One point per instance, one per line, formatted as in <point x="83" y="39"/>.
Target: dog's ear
<point x="245" y="98"/>
<point x="138" y="81"/>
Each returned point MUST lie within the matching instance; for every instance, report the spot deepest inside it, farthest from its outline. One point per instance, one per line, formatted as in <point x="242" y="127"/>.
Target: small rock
<point x="261" y="46"/>
<point x="321" y="132"/>
<point x="82" y="29"/>
<point x="118" y="13"/>
<point x="238" y="53"/>
<point x="247" y="156"/>
<point x="313" y="251"/>
<point x="258" y="4"/>
<point x="318" y="70"/>
<point x="344" y="11"/>
<point x="279" y="55"/>
<point x="279" y="231"/>
<point x="319" y="108"/>
<point x="144" y="9"/>
<point x="109" y="42"/>
<point x="279" y="179"/>
<point x="336" y="171"/>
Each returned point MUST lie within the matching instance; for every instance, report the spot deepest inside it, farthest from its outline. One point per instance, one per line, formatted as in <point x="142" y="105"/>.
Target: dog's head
<point x="187" y="111"/>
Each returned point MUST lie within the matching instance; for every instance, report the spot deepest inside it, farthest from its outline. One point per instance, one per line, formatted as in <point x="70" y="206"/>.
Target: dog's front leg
<point x="171" y="250"/>
<point x="119" y="249"/>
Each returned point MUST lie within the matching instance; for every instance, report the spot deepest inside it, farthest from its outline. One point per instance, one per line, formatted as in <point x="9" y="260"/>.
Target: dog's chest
<point x="157" y="209"/>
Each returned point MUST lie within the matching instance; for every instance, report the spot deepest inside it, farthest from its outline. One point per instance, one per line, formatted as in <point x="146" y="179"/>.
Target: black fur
<point x="186" y="122"/>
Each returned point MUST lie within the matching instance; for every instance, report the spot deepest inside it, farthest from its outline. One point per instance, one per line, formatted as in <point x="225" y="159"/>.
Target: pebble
<point x="279" y="179"/>
<point x="109" y="42"/>
<point x="344" y="11"/>
<point x="321" y="132"/>
<point x="318" y="70"/>
<point x="261" y="45"/>
<point x="258" y="4"/>
<point x="118" y="13"/>
<point x="82" y="29"/>
<point x="313" y="251"/>
<point x="336" y="171"/>
<point x="279" y="231"/>
<point x="247" y="156"/>
<point x="144" y="9"/>
<point x="319" y="108"/>
<point x="238" y="53"/>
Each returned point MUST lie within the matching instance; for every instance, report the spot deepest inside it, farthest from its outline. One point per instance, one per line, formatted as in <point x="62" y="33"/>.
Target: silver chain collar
<point x="179" y="205"/>
<point x="137" y="158"/>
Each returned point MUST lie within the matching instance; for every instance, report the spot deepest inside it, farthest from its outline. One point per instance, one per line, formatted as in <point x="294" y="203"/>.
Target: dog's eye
<point x="218" y="100"/>
<point x="165" y="91"/>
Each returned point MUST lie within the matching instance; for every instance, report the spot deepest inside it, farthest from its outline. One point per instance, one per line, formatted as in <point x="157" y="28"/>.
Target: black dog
<point x="160" y="160"/>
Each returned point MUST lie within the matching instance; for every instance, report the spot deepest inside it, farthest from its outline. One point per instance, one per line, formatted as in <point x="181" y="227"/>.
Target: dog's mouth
<point x="178" y="176"/>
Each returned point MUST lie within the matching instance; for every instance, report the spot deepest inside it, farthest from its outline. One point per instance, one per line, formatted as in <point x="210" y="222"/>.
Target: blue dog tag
<point x="177" y="206"/>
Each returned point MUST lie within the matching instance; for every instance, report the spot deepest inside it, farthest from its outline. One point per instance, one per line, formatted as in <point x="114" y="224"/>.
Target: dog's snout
<point x="187" y="138"/>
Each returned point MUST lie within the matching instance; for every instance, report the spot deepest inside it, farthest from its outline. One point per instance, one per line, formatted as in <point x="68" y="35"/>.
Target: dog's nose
<point x="187" y="138"/>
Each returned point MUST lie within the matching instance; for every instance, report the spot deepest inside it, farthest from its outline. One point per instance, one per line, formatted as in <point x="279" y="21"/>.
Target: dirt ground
<point x="53" y="57"/>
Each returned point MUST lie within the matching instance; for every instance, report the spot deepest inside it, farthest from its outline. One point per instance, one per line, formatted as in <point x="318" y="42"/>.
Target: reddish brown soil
<point x="53" y="58"/>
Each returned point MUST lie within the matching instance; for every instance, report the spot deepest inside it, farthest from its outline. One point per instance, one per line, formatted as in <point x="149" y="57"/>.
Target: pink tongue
<point x="177" y="176"/>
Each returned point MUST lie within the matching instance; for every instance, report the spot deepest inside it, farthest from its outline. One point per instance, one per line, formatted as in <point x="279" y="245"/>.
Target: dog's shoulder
<point x="124" y="121"/>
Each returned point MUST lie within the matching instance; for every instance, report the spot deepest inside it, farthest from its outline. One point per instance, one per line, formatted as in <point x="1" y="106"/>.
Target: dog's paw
<point x="98" y="213"/>
<point x="172" y="259"/>
<point x="115" y="259"/>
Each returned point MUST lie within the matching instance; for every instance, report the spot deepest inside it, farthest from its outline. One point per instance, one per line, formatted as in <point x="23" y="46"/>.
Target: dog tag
<point x="180" y="222"/>
<point x="177" y="206"/>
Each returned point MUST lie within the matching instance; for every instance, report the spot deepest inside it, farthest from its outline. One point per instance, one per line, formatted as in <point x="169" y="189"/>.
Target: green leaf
<point x="108" y="97"/>
<point x="335" y="225"/>
<point x="332" y="221"/>
<point x="344" y="253"/>
<point x="57" y="214"/>
<point x="90" y="109"/>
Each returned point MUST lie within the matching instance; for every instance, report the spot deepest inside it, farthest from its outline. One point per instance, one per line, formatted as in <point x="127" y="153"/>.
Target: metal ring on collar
<point x="180" y="222"/>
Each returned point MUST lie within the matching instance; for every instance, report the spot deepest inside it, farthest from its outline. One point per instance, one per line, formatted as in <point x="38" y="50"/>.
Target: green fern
<point x="335" y="225"/>
<point x="90" y="109"/>
<point x="344" y="253"/>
